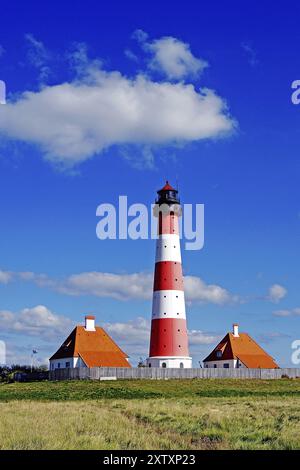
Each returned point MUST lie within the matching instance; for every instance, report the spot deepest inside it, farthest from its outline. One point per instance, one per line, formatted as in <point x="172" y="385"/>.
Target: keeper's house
<point x="238" y="350"/>
<point x="88" y="346"/>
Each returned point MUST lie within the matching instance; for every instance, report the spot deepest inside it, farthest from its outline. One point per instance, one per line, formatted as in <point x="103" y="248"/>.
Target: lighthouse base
<point x="170" y="362"/>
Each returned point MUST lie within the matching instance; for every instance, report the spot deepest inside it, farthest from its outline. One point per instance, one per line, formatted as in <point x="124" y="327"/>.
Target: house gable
<point x="96" y="348"/>
<point x="243" y="348"/>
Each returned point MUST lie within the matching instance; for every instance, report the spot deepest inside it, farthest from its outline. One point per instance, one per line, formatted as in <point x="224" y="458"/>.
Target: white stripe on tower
<point x="168" y="248"/>
<point x="168" y="304"/>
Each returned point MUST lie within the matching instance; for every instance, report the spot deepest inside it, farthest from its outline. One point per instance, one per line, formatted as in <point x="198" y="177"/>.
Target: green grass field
<point x="150" y="414"/>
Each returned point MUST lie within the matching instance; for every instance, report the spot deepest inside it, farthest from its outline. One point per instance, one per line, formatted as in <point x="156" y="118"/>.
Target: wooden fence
<point x="116" y="373"/>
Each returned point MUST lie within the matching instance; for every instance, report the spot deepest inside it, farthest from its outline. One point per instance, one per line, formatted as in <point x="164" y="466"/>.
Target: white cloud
<point x="5" y="277"/>
<point x="36" y="321"/>
<point x="173" y="58"/>
<point x="287" y="313"/>
<point x="197" y="290"/>
<point x="139" y="286"/>
<point x="116" y="286"/>
<point x="276" y="293"/>
<point x="197" y="337"/>
<point x="73" y="121"/>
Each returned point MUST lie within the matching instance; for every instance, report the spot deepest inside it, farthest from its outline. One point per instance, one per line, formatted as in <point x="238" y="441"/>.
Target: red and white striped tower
<point x="169" y="339"/>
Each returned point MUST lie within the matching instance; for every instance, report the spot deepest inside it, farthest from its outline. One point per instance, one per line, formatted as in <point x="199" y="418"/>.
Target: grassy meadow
<point x="149" y="414"/>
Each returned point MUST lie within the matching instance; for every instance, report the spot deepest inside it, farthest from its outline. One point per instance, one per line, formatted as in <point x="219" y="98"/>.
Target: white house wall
<point x="61" y="363"/>
<point x="220" y="364"/>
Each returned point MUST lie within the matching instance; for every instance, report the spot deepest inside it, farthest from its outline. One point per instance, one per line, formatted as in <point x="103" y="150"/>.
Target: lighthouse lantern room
<point x="169" y="339"/>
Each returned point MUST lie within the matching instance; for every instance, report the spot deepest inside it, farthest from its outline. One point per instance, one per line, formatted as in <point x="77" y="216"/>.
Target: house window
<point x="58" y="365"/>
<point x="149" y="364"/>
<point x="219" y="354"/>
<point x="226" y="366"/>
<point x="206" y="366"/>
<point x="215" y="366"/>
<point x="68" y="365"/>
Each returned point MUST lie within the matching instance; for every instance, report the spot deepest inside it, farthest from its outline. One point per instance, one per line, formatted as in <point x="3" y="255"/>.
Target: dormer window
<point x="219" y="354"/>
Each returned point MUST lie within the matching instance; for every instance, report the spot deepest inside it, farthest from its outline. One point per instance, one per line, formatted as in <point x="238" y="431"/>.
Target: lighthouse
<point x="169" y="339"/>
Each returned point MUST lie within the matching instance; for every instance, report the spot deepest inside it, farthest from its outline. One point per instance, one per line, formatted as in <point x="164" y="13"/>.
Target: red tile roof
<point x="244" y="348"/>
<point x="167" y="187"/>
<point x="104" y="359"/>
<point x="96" y="348"/>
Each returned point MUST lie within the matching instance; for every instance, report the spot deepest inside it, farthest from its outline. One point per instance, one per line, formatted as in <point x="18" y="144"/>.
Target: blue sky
<point x="74" y="142"/>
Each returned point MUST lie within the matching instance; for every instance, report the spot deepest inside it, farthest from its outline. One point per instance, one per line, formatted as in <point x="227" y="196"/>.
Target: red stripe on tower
<point x="169" y="339"/>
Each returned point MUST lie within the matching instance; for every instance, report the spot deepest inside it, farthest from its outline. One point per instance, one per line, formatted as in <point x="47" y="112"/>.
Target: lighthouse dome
<point x="167" y="195"/>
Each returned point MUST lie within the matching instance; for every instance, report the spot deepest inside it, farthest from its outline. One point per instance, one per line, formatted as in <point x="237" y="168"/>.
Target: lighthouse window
<point x="176" y="296"/>
<point x="164" y="365"/>
<point x="181" y="365"/>
<point x="177" y="313"/>
<point x="178" y="330"/>
<point x="165" y="313"/>
<point x="179" y="346"/>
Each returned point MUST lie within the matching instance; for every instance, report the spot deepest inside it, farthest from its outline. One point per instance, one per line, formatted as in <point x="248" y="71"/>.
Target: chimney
<point x="235" y="330"/>
<point x="90" y="323"/>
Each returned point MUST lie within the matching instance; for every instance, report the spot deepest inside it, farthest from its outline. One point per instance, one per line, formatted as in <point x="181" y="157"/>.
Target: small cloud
<point x="287" y="313"/>
<point x="140" y="35"/>
<point x="199" y="337"/>
<point x="5" y="277"/>
<point x="251" y="53"/>
<point x="79" y="61"/>
<point x="131" y="55"/>
<point x="197" y="290"/>
<point x="276" y="293"/>
<point x="171" y="57"/>
<point x="272" y="336"/>
<point x="140" y="157"/>
<point x="38" y="56"/>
